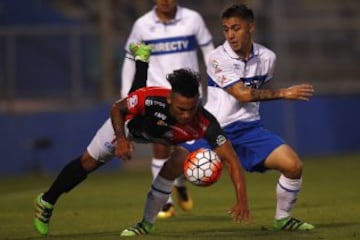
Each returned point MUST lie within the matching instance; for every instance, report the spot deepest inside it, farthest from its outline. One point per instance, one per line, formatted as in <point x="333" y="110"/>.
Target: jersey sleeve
<point x="134" y="37"/>
<point x="271" y="67"/>
<point x="136" y="102"/>
<point x="127" y="76"/>
<point x="202" y="33"/>
<point x="128" y="67"/>
<point x="214" y="134"/>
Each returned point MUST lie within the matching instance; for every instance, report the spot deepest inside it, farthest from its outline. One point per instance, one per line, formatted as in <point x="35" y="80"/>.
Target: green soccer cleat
<point x="141" y="51"/>
<point x="141" y="228"/>
<point x="292" y="224"/>
<point x="42" y="216"/>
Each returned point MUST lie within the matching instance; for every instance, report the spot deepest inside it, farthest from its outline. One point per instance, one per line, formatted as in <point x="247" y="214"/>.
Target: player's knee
<point x="88" y="163"/>
<point x="174" y="166"/>
<point x="161" y="151"/>
<point x="294" y="170"/>
<point x="171" y="170"/>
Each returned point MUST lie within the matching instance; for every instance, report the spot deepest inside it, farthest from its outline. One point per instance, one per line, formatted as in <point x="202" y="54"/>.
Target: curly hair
<point x="184" y="81"/>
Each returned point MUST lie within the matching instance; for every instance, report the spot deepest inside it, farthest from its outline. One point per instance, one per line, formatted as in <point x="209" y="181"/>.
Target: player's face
<point x="183" y="109"/>
<point x="238" y="32"/>
<point x="165" y="6"/>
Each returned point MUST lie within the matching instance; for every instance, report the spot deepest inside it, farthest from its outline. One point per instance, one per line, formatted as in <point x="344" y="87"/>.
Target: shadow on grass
<point x="87" y="235"/>
<point x="339" y="225"/>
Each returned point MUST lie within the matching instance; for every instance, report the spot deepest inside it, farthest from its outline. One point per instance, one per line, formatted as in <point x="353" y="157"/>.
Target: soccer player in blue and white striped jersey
<point x="238" y="70"/>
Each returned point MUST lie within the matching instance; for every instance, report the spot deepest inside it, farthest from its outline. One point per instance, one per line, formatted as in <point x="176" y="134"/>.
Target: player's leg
<point x="99" y="151"/>
<point x="259" y="150"/>
<point x="159" y="193"/>
<point x="161" y="154"/>
<point x="141" y="53"/>
<point x="71" y="175"/>
<point x="183" y="196"/>
<point x="285" y="160"/>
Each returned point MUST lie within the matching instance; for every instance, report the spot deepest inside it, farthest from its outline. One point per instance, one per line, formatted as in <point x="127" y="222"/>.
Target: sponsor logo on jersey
<point x="161" y="104"/>
<point x="160" y="115"/>
<point x="237" y="66"/>
<point x="148" y="102"/>
<point x="216" y="67"/>
<point x="132" y="101"/>
<point x="255" y="81"/>
<point x="220" y="140"/>
<point x="172" y="45"/>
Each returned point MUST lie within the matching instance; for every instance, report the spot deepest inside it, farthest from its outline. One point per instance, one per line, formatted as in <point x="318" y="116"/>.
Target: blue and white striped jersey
<point x="174" y="45"/>
<point x="225" y="68"/>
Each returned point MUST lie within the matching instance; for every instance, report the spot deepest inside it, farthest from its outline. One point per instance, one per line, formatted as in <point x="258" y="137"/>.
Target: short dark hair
<point x="185" y="82"/>
<point x="238" y="10"/>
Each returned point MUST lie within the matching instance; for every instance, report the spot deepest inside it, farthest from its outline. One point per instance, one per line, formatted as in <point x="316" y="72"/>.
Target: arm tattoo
<point x="264" y="94"/>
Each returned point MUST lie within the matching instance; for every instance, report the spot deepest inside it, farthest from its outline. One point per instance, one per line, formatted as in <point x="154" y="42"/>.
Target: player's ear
<point x="251" y="27"/>
<point x="168" y="99"/>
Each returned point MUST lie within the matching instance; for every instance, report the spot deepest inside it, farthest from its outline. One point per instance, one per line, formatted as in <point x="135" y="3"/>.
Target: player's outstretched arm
<point x="123" y="145"/>
<point x="295" y="92"/>
<point x="240" y="211"/>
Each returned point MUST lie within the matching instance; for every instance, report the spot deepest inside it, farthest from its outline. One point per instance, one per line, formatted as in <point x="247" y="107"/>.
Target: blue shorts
<point x="251" y="141"/>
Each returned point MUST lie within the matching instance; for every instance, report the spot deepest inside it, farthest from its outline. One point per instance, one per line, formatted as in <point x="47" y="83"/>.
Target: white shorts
<point x="102" y="146"/>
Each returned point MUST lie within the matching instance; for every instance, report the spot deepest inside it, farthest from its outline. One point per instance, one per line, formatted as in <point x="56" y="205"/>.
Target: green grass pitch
<point x="107" y="202"/>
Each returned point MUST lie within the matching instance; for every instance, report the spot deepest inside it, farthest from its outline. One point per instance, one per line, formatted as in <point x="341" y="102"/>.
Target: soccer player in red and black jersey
<point x="151" y="115"/>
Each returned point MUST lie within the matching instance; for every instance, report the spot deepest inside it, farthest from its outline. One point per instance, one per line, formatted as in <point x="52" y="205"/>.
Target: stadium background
<point x="60" y="62"/>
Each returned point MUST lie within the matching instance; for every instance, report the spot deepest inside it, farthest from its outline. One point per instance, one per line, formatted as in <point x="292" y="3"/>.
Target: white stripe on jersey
<point x="225" y="69"/>
<point x="174" y="44"/>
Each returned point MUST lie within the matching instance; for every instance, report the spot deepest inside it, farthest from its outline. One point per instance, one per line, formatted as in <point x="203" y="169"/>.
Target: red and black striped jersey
<point x="150" y="120"/>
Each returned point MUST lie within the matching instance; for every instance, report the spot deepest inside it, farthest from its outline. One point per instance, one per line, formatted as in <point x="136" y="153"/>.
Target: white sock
<point x="286" y="193"/>
<point x="157" y="197"/>
<point x="156" y="165"/>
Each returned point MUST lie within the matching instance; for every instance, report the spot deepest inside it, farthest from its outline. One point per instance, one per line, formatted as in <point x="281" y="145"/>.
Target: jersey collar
<point x="178" y="15"/>
<point x="232" y="54"/>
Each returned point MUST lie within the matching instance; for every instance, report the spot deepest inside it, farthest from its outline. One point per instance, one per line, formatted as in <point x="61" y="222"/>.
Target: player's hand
<point x="299" y="92"/>
<point x="124" y="149"/>
<point x="240" y="213"/>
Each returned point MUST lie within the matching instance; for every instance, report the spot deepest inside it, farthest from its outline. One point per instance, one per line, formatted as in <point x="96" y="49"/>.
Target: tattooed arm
<point x="246" y="94"/>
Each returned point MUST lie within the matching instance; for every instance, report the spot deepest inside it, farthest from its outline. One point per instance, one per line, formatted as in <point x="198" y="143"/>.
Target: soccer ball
<point x="203" y="167"/>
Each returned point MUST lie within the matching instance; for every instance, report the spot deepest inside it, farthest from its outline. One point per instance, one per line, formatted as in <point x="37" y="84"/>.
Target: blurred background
<point x="60" y="63"/>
